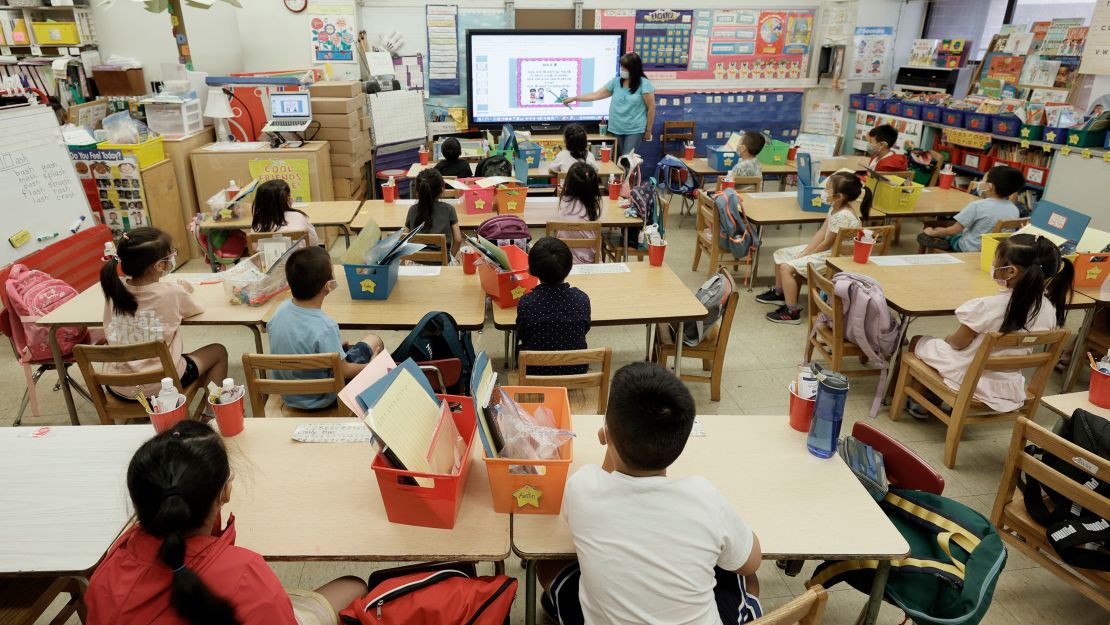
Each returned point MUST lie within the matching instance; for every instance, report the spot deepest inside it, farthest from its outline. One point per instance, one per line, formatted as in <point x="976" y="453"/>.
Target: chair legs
<point x="952" y="438"/>
<point x="697" y="255"/>
<point x="898" y="403"/>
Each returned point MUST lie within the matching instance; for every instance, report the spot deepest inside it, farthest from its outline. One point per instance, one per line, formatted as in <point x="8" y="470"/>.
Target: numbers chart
<point x="662" y="39"/>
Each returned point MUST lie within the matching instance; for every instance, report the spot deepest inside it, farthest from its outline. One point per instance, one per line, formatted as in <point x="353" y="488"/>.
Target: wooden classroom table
<point x="775" y="209"/>
<point x="604" y="170"/>
<point x="933" y="202"/>
<point x="331" y="213"/>
<point x="701" y="167"/>
<point x="800" y="506"/>
<point x="1100" y="300"/>
<point x="63" y="495"/>
<point x="1067" y="403"/>
<point x="621" y="299"/>
<point x="87" y="309"/>
<point x="451" y="291"/>
<point x="320" y="501"/>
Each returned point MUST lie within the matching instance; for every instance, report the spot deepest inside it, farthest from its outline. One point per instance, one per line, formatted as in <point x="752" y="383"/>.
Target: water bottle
<point x="168" y="396"/>
<point x="828" y="413"/>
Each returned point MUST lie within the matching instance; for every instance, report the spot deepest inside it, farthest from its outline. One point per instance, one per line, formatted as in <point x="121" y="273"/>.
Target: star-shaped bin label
<point x="479" y="204"/>
<point x="1050" y="135"/>
<point x="510" y="206"/>
<point x="1073" y="139"/>
<point x="518" y="292"/>
<point x="816" y="201"/>
<point x="1093" y="273"/>
<point x="367" y="285"/>
<point x="527" y="496"/>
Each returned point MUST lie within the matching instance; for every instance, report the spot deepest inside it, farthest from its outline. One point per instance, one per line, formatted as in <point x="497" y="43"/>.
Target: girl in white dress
<point x="1035" y="282"/>
<point x="273" y="211"/>
<point x="848" y="201"/>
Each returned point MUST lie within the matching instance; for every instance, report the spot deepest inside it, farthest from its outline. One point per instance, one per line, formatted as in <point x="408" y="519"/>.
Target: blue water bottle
<point x="828" y="412"/>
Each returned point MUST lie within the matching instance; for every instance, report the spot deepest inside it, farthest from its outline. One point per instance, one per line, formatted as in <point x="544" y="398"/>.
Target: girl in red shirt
<point x="178" y="567"/>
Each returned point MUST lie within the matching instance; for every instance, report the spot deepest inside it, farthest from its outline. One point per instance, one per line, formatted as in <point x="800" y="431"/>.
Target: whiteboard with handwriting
<point x="39" y="190"/>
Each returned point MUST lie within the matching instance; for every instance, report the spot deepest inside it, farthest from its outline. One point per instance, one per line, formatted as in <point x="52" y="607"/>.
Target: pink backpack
<point x="31" y="294"/>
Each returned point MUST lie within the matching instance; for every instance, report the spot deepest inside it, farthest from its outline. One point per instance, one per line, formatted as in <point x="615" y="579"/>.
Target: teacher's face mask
<point x="624" y="74"/>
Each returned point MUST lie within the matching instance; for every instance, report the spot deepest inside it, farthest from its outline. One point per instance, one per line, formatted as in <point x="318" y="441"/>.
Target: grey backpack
<point x="713" y="294"/>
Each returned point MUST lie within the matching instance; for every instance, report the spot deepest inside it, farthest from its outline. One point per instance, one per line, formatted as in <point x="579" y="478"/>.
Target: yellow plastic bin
<point x="989" y="248"/>
<point x="148" y="152"/>
<point x="56" y="33"/>
<point x="893" y="197"/>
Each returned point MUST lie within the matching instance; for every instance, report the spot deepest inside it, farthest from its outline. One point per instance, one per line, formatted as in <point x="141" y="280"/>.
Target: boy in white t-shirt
<point x="650" y="549"/>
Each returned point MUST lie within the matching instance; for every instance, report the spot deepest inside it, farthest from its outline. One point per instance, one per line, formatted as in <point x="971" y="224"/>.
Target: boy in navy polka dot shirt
<point x="554" y="316"/>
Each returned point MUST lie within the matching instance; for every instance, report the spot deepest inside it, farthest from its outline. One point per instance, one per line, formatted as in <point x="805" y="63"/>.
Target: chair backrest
<point x="1010" y="225"/>
<point x="89" y="355"/>
<point x="830" y="305"/>
<point x="904" y="468"/>
<point x="592" y="242"/>
<point x="259" y="386"/>
<point x="1046" y="346"/>
<point x="751" y="184"/>
<point x="708" y="217"/>
<point x="677" y="131"/>
<point x="807" y="608"/>
<point x="938" y="163"/>
<point x="727" y="315"/>
<point x="590" y="379"/>
<point x="449" y="192"/>
<point x="254" y="237"/>
<point x="430" y="256"/>
<point x="843" y="244"/>
<point x="442" y="373"/>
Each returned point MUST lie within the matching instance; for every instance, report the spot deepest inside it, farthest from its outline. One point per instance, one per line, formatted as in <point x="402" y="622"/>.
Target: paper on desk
<point x="237" y="146"/>
<point x="772" y="194"/>
<point x="418" y="271"/>
<point x="354" y="432"/>
<point x="200" y="278"/>
<point x="493" y="181"/>
<point x="416" y="168"/>
<point x="1094" y="240"/>
<point x="588" y="270"/>
<point x="375" y="370"/>
<point x="697" y="430"/>
<point x="915" y="259"/>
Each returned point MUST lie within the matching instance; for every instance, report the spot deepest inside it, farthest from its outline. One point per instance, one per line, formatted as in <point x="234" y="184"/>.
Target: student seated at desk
<point x="842" y="190"/>
<point x="650" y="549"/>
<point x="452" y="163"/>
<point x="979" y="217"/>
<point x="880" y="147"/>
<point x="299" y="326"/>
<point x="554" y="316"/>
<point x="1037" y="281"/>
<point x="179" y="564"/>
<point x="144" y="307"/>
<point x="273" y="211"/>
<point x="751" y="144"/>
<point x="580" y="200"/>
<point x="576" y="149"/>
<point x="438" y="217"/>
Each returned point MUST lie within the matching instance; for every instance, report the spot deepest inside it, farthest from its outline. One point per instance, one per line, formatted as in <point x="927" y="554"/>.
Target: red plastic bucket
<point x="389" y="193"/>
<point x="862" y="251"/>
<point x="727" y="184"/>
<point x="469" y="261"/>
<point x="655" y="254"/>
<point x="423" y="157"/>
<point x="163" y="421"/>
<point x="688" y="152"/>
<point x="606" y="154"/>
<point x="801" y="411"/>
<point x="1099" y="394"/>
<point x="946" y="180"/>
<point x="614" y="190"/>
<point x="229" y="416"/>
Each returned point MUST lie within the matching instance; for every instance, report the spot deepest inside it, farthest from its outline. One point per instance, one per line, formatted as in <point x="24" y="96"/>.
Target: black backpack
<point x="436" y="337"/>
<point x="493" y="166"/>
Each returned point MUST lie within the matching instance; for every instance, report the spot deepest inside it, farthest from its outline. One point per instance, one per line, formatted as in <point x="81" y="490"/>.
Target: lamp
<point x="219" y="109"/>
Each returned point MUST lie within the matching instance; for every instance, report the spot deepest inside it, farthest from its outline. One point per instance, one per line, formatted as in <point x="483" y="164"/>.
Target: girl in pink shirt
<point x="145" y="307"/>
<point x="273" y="211"/>
<point x="580" y="200"/>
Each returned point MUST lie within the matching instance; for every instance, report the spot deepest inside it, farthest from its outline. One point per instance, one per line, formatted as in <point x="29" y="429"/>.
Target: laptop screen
<point x="289" y="106"/>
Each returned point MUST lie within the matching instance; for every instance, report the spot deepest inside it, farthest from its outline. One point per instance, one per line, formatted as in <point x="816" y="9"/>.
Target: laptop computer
<point x="289" y="112"/>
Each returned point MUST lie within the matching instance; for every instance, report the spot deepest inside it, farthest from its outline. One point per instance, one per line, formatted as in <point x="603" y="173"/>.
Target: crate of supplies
<point x="976" y="161"/>
<point x="539" y="491"/>
<point x="874" y="103"/>
<point x="435" y="503"/>
<point x="911" y="110"/>
<point x="1079" y="138"/>
<point x="774" y="152"/>
<point x="932" y="113"/>
<point x="507" y="287"/>
<point x="56" y="33"/>
<point x="892" y="107"/>
<point x="1031" y="132"/>
<point x="147" y="153"/>
<point x="531" y="152"/>
<point x="1091" y="270"/>
<point x="1035" y="175"/>
<point x="953" y="117"/>
<point x="373" y="282"/>
<point x="475" y="200"/>
<point x="510" y="199"/>
<point x="1006" y="125"/>
<point x="721" y="159"/>
<point x="857" y="101"/>
<point x="989" y="246"/>
<point x="174" y="118"/>
<point x="895" y="194"/>
<point x="809" y="197"/>
<point x="979" y="122"/>
<point x="1052" y="134"/>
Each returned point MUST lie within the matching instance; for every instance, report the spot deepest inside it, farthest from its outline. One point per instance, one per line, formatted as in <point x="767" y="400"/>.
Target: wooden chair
<point x="109" y="407"/>
<point x="1047" y="346"/>
<point x="594" y="242"/>
<point x="254" y="237"/>
<point x="259" y="387"/>
<point x="807" y="608"/>
<point x="613" y="243"/>
<point x="843" y="245"/>
<point x="1018" y="528"/>
<point x="590" y="379"/>
<point x="433" y="256"/>
<point x="708" y="231"/>
<point x="904" y="468"/>
<point x="828" y="338"/>
<point x="442" y="373"/>
<point x="711" y="350"/>
<point x="676" y="131"/>
<point x="743" y="184"/>
<point x="1010" y="225"/>
<point x="24" y="600"/>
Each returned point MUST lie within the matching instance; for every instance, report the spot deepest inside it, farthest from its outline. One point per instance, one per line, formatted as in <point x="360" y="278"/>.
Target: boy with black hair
<point x="751" y="144"/>
<point x="452" y="163"/>
<point x="979" y="217"/>
<point x="554" y="316"/>
<point x="626" y="518"/>
<point x="880" y="147"/>
<point x="299" y="326"/>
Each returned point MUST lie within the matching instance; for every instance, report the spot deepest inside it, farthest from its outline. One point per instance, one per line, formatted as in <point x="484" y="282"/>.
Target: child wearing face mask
<point x="273" y="211"/>
<point x="841" y="192"/>
<point x="880" y="147"/>
<point x="300" y="326"/>
<point x="146" y="307"/>
<point x="1035" y="282"/>
<point x="979" y="217"/>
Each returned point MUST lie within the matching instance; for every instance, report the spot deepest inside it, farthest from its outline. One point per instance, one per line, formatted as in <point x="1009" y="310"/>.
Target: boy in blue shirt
<point x="979" y="217"/>
<point x="299" y="326"/>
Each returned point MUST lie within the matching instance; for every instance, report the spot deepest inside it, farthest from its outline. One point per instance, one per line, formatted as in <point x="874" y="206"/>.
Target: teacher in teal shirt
<point x="632" y="111"/>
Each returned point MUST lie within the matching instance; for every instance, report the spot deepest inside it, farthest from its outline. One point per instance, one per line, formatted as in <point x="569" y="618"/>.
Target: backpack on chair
<point x="675" y="176"/>
<point x="31" y="295"/>
<point x="436" y="337"/>
<point x="713" y="294"/>
<point x="506" y="230"/>
<point x="737" y="235"/>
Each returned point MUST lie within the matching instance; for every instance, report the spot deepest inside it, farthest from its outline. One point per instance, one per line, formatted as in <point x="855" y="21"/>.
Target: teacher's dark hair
<point x="635" y="67"/>
<point x="174" y="479"/>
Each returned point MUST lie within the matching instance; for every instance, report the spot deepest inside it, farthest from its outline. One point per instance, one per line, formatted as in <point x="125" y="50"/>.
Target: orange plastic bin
<point x="507" y="287"/>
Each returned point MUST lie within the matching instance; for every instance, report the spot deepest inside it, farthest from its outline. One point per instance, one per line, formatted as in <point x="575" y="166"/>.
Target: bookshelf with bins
<point x="33" y="34"/>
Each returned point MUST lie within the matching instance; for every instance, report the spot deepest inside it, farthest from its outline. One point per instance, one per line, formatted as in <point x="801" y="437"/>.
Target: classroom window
<point x="977" y="20"/>
<point x="1028" y="11"/>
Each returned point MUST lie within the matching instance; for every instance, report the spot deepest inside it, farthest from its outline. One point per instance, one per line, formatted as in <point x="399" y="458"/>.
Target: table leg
<point x="257" y="338"/>
<point x="755" y="260"/>
<point x="346" y="234"/>
<point x="1077" y="352"/>
<point x="678" y="349"/>
<point x="624" y="235"/>
<point x="878" y="589"/>
<point x="530" y="592"/>
<point x="63" y="374"/>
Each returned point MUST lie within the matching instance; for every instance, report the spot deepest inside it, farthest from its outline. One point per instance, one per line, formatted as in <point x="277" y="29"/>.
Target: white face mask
<point x="172" y="260"/>
<point x="1002" y="282"/>
<point x="624" y="74"/>
<point x="824" y="196"/>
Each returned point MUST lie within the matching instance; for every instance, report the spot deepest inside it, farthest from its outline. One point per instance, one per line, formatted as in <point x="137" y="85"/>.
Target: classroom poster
<point x="1096" y="51"/>
<point x="113" y="187"/>
<point x="443" y="49"/>
<point x="662" y="38"/>
<point x="909" y="130"/>
<point x="293" y="171"/>
<point x="333" y="34"/>
<point x="824" y="118"/>
<point x="874" y="46"/>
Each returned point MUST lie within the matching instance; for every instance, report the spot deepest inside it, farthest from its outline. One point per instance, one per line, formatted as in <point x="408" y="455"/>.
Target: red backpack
<point x="31" y="294"/>
<point x="436" y="595"/>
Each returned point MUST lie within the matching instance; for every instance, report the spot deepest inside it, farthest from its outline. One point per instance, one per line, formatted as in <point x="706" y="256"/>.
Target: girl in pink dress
<point x="580" y="200"/>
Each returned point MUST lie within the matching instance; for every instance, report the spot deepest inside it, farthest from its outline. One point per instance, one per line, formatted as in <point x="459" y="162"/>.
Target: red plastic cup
<point x="389" y="193"/>
<point x="229" y="416"/>
<point x="946" y="180"/>
<point x="801" y="411"/>
<point x="606" y="153"/>
<point x="1099" y="394"/>
<point x="862" y="251"/>
<point x="727" y="184"/>
<point x="163" y="421"/>
<point x="423" y="157"/>
<point x="689" y="153"/>
<point x="655" y="254"/>
<point x="614" y="190"/>
<point x="792" y="153"/>
<point x="469" y="261"/>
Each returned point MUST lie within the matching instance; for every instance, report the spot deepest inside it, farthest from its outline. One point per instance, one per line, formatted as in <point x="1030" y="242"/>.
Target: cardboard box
<point x="344" y="171"/>
<point x="338" y="106"/>
<point x="343" y="134"/>
<point x="346" y="120"/>
<point x="350" y="160"/>
<point x="336" y="89"/>
<point x="365" y="121"/>
<point x="355" y="146"/>
<point x="120" y="81"/>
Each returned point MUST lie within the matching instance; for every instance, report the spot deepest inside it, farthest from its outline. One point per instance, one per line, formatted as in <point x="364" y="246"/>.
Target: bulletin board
<point x="715" y="48"/>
